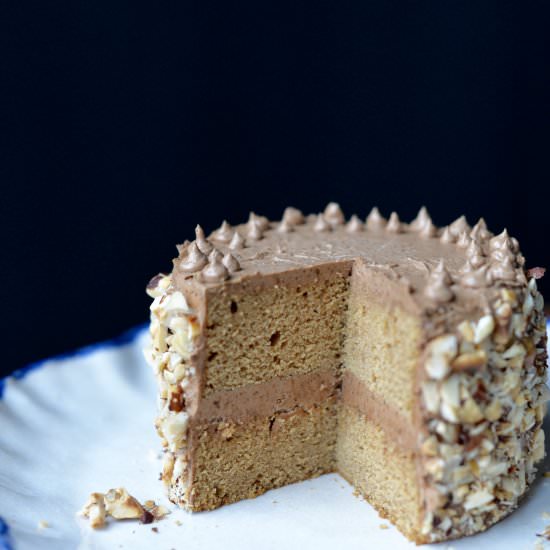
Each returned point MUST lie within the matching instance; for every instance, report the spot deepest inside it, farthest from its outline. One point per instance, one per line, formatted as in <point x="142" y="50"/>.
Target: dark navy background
<point x="123" y="125"/>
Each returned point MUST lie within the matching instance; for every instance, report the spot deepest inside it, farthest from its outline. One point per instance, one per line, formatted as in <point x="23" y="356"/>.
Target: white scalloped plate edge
<point x="83" y="422"/>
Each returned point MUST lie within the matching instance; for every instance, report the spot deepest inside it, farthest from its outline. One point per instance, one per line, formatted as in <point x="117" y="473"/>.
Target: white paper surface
<point x="85" y="423"/>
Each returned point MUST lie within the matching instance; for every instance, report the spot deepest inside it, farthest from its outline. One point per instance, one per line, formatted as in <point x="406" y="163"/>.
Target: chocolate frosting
<point x="439" y="285"/>
<point x="260" y="221"/>
<point x="447" y="236"/>
<point x="215" y="271"/>
<point x="428" y="229"/>
<point x="285" y="226"/>
<point x="460" y="225"/>
<point x="321" y="224"/>
<point x="398" y="429"/>
<point x="480" y="231"/>
<point x="237" y="242"/>
<point x="394" y="225"/>
<point x="463" y="240"/>
<point x="421" y="219"/>
<point x="477" y="270"/>
<point x="293" y="216"/>
<point x="194" y="259"/>
<point x="204" y="246"/>
<point x="231" y="263"/>
<point x="375" y="220"/>
<point x="267" y="398"/>
<point x="224" y="234"/>
<point x="333" y="214"/>
<point x="255" y="232"/>
<point x="354" y="225"/>
<point x="474" y="253"/>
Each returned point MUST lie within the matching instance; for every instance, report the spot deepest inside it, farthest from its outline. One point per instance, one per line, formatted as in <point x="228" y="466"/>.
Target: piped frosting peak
<point x="254" y="231"/>
<point x="446" y="236"/>
<point x="504" y="270"/>
<point x="321" y="224"/>
<point x="261" y="221"/>
<point x="474" y="277"/>
<point x="480" y="231"/>
<point x="460" y="225"/>
<point x="438" y="287"/>
<point x="474" y="253"/>
<point x="224" y="234"/>
<point x="333" y="214"/>
<point x="375" y="220"/>
<point x="231" y="263"/>
<point x="421" y="219"/>
<point x="204" y="245"/>
<point x="237" y="242"/>
<point x="463" y="240"/>
<point x="293" y="216"/>
<point x="394" y="225"/>
<point x="194" y="259"/>
<point x="215" y="271"/>
<point x="501" y="242"/>
<point x="285" y="226"/>
<point x="355" y="225"/>
<point x="428" y="229"/>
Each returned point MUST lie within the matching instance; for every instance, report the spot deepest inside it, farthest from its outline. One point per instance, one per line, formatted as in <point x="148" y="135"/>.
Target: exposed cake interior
<point x="288" y="397"/>
<point x="376" y="432"/>
<point x="273" y="371"/>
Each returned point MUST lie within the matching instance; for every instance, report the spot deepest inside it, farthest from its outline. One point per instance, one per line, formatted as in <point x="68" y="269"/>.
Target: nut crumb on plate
<point x="119" y="504"/>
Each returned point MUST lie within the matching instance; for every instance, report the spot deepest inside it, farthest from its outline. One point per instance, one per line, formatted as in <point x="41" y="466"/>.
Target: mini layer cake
<point x="411" y="359"/>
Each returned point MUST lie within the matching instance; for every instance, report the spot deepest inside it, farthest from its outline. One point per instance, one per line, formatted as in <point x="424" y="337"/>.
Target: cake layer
<point x="380" y="470"/>
<point x="383" y="337"/>
<point x="234" y="461"/>
<point x="251" y="334"/>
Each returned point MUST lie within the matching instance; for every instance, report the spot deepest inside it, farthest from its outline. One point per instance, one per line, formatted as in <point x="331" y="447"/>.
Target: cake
<point x="408" y="358"/>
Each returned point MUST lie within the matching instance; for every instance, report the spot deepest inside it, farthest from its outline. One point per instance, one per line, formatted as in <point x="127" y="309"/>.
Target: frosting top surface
<point x="454" y="267"/>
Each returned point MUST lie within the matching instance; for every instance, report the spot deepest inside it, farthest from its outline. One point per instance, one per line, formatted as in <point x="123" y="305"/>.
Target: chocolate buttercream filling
<point x="399" y="430"/>
<point x="267" y="398"/>
<point x="303" y="392"/>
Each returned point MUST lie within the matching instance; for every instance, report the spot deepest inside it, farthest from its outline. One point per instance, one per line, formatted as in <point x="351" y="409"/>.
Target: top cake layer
<point x="447" y="273"/>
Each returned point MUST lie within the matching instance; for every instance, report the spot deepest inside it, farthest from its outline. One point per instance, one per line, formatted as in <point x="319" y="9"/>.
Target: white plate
<point x="84" y="422"/>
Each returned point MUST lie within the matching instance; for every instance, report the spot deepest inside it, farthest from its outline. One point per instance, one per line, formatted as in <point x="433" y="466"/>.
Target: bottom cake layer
<point x="379" y="470"/>
<point x="233" y="461"/>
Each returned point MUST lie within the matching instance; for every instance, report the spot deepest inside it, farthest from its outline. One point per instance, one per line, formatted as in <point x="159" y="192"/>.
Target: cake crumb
<point x="155" y="529"/>
<point x="545" y="515"/>
<point x="178" y="523"/>
<point x="119" y="504"/>
<point x="384" y="526"/>
<point x="43" y="524"/>
<point x="275" y="502"/>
